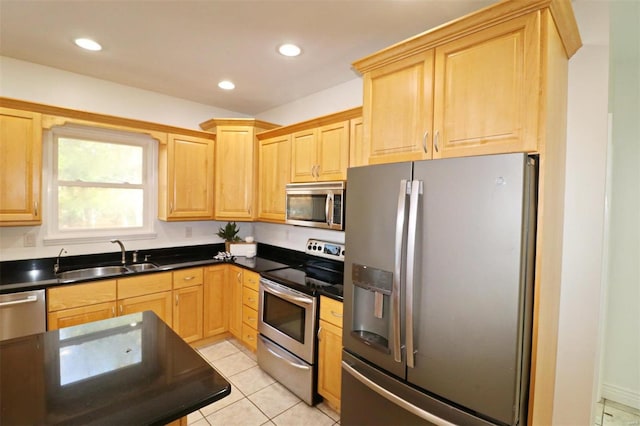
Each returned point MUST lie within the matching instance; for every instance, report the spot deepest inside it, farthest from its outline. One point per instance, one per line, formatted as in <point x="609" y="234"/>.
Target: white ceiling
<point x="183" y="48"/>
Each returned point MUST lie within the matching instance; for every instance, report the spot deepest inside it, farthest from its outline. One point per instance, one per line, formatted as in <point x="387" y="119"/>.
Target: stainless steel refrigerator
<point x="438" y="288"/>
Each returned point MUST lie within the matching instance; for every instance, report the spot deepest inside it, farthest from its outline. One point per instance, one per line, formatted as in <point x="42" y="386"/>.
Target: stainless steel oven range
<point x="288" y="316"/>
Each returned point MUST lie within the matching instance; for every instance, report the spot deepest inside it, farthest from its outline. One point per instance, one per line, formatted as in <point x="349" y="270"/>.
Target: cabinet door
<point x="80" y="315"/>
<point x="188" y="179"/>
<point x="216" y="301"/>
<point x="188" y="312"/>
<point x="303" y="156"/>
<point x="358" y="151"/>
<point x="398" y="110"/>
<point x="329" y="361"/>
<point x="234" y="175"/>
<point x="274" y="174"/>
<point x="20" y="167"/>
<point x="160" y="303"/>
<point x="487" y="91"/>
<point x="333" y="151"/>
<point x="235" y="302"/>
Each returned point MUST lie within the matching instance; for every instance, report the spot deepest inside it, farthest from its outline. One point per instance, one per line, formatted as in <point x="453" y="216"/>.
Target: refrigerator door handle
<point x="393" y="398"/>
<point x="416" y="190"/>
<point x="397" y="270"/>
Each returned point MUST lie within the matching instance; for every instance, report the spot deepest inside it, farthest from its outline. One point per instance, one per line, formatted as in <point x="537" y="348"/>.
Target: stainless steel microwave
<point x="316" y="204"/>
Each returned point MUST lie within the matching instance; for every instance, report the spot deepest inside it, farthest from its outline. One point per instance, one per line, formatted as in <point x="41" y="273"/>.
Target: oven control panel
<point x="326" y="249"/>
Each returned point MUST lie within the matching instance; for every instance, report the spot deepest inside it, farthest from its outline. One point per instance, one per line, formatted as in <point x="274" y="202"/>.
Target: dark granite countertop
<point x="129" y="370"/>
<point x="36" y="274"/>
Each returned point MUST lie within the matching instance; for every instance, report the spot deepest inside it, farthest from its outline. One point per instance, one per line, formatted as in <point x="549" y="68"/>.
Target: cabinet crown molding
<point x="561" y="11"/>
<point x="210" y="125"/>
<point x="312" y="123"/>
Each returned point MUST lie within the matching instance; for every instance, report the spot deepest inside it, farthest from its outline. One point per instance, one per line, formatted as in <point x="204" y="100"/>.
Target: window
<point x="101" y="184"/>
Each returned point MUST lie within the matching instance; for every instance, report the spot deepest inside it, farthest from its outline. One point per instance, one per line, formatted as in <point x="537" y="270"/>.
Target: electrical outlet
<point x="29" y="239"/>
<point x="188" y="231"/>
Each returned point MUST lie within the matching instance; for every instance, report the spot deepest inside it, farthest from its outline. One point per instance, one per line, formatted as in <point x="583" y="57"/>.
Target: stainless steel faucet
<point x="124" y="258"/>
<point x="56" y="267"/>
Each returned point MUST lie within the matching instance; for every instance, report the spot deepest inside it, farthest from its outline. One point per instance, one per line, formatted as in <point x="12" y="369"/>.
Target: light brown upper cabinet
<point x="236" y="166"/>
<point x="185" y="178"/>
<point x="320" y="154"/>
<point x="20" y="167"/>
<point x="274" y="172"/>
<point x="479" y="85"/>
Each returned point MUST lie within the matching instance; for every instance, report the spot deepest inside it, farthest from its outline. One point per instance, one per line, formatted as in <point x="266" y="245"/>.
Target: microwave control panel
<point x="326" y="249"/>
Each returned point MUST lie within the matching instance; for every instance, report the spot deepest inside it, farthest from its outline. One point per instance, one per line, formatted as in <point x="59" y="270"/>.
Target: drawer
<point x="331" y="311"/>
<point x="251" y="280"/>
<point x="250" y="317"/>
<point x="73" y="296"/>
<point x="144" y="284"/>
<point x="250" y="298"/>
<point x="188" y="277"/>
<point x="249" y="336"/>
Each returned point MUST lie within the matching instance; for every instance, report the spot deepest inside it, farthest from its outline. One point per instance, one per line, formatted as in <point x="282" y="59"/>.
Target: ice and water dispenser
<point x="372" y="306"/>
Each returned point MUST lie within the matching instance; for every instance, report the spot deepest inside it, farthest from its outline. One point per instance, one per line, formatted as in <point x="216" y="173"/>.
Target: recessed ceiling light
<point x="88" y="44"/>
<point x="226" y="85"/>
<point x="289" y="50"/>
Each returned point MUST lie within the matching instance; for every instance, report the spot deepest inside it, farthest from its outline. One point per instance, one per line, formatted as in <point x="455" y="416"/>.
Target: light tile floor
<point x="256" y="398"/>
<point x="609" y="413"/>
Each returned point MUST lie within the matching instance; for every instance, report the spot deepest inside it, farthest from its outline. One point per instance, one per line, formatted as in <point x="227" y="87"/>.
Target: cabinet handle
<point x="121" y="309"/>
<point x="188" y="278"/>
<point x="170" y="208"/>
<point x="176" y="300"/>
<point x="239" y="276"/>
<point x="319" y="331"/>
<point x="336" y="314"/>
<point x="424" y="141"/>
<point x="435" y="140"/>
<point x="113" y="311"/>
<point x="251" y="299"/>
<point x="35" y="208"/>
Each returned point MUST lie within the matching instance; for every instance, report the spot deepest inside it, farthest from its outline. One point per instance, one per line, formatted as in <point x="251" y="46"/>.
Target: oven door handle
<point x="291" y="362"/>
<point x="286" y="295"/>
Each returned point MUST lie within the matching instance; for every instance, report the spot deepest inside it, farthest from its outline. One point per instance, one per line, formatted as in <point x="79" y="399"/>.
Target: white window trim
<point x="53" y="236"/>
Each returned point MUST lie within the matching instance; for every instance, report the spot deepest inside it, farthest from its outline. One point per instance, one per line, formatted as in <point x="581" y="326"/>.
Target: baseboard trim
<point x="621" y="395"/>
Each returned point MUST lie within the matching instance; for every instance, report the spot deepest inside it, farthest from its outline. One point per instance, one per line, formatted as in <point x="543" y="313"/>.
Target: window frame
<point x="53" y="234"/>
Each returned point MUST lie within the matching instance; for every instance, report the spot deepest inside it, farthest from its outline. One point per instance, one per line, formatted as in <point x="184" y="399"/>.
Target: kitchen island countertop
<point x="131" y="369"/>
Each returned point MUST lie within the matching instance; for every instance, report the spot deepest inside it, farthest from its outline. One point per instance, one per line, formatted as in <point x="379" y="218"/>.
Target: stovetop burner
<point x="308" y="279"/>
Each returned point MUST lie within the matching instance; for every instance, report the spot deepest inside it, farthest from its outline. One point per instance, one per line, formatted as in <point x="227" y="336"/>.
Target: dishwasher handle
<point x="28" y="299"/>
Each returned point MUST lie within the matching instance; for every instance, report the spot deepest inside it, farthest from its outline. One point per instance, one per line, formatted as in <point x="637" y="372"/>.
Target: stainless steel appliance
<point x="22" y="314"/>
<point x="288" y="316"/>
<point x="316" y="204"/>
<point x="438" y="291"/>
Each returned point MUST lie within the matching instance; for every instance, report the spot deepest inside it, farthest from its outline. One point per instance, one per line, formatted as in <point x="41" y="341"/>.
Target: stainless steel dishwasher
<point x="22" y="314"/>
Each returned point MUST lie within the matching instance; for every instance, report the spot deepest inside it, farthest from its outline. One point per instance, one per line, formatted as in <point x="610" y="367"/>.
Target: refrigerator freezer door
<point x="471" y="282"/>
<point x="374" y="213"/>
<point x="377" y="399"/>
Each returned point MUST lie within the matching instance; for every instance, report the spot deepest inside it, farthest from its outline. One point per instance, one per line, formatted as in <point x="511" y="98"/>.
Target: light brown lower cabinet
<point x="330" y="351"/>
<point x="187" y="313"/>
<point x="216" y="305"/>
<point x="235" y="300"/>
<point x="80" y="303"/>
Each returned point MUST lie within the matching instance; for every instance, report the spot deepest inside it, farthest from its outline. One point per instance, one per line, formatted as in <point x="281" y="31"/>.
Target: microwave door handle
<point x="416" y="190"/>
<point x="397" y="270"/>
<point x="327" y="204"/>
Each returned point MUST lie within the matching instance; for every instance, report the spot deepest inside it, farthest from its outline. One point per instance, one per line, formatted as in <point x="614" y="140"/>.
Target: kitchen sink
<point x="139" y="267"/>
<point x="94" y="272"/>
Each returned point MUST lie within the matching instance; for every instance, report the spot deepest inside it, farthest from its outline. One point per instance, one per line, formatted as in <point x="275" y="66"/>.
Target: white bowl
<point x="248" y="239"/>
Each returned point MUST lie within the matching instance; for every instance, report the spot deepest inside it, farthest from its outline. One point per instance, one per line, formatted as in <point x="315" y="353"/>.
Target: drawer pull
<point x="336" y="314"/>
<point x="189" y="278"/>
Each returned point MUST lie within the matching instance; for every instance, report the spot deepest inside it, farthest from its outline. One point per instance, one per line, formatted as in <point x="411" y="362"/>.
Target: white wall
<point x="621" y="361"/>
<point x="343" y="96"/>
<point x="36" y="83"/>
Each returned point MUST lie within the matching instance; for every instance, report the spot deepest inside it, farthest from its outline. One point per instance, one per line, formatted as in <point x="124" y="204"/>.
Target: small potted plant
<point x="229" y="233"/>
